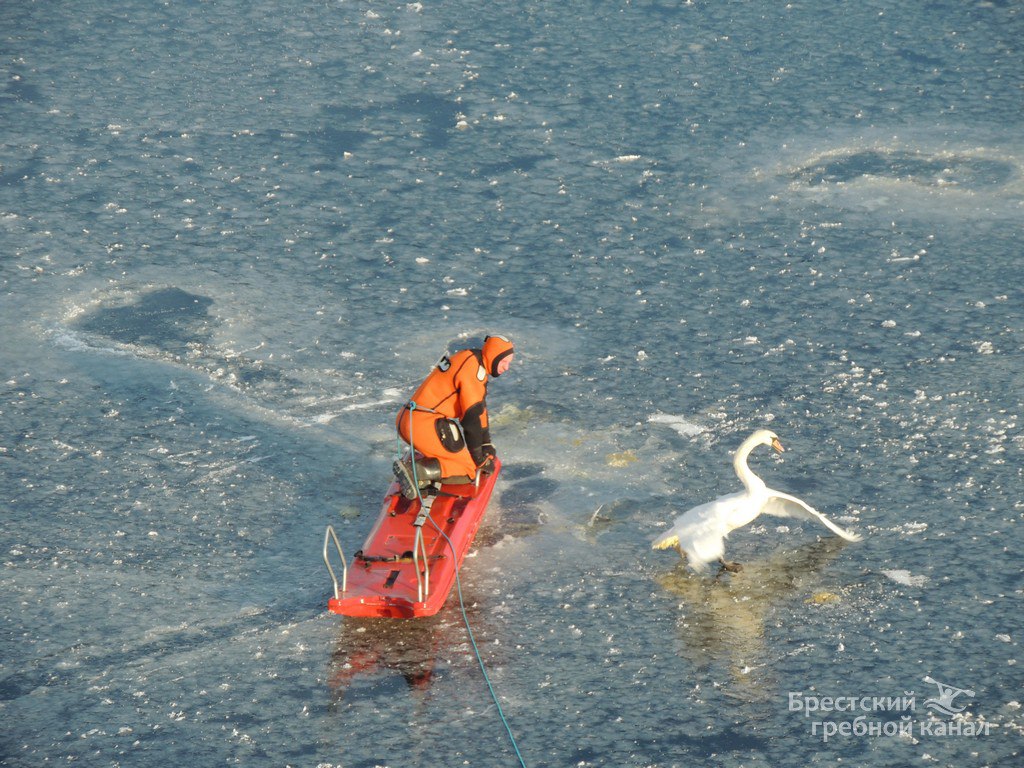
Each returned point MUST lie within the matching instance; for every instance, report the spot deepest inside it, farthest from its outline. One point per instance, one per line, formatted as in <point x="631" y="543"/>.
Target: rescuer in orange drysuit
<point x="446" y="420"/>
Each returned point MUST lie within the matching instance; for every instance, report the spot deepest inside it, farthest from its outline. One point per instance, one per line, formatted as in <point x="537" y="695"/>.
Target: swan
<point x="699" y="533"/>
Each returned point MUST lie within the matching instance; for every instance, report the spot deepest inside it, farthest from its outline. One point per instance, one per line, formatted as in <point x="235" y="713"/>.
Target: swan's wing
<point x="783" y="505"/>
<point x="683" y="522"/>
<point x="700" y="532"/>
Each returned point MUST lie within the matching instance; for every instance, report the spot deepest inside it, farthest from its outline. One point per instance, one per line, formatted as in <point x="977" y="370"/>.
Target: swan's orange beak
<point x="777" y="445"/>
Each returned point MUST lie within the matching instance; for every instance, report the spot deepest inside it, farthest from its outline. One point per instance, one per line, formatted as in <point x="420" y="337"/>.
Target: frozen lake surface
<point x="233" y="238"/>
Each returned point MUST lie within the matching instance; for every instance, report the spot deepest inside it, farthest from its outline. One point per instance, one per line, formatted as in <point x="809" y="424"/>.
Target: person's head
<point x="497" y="353"/>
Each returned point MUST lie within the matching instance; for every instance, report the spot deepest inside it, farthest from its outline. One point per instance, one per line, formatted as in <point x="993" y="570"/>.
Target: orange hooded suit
<point x="447" y="416"/>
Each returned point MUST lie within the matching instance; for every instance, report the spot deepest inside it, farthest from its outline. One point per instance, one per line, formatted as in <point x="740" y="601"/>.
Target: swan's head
<point x="766" y="437"/>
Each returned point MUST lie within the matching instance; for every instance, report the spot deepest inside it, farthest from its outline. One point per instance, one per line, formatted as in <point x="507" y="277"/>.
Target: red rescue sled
<point x="406" y="568"/>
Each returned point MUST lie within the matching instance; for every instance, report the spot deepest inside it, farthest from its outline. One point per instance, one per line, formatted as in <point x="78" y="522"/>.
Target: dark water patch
<point x="521" y="470"/>
<point x="914" y="167"/>
<point x="431" y="117"/>
<point x="157" y="317"/>
<point x="175" y="322"/>
<point x="19" y="171"/>
<point x="24" y="682"/>
<point x="518" y="513"/>
<point x="434" y="116"/>
<point x="730" y="739"/>
<point x="529" y="491"/>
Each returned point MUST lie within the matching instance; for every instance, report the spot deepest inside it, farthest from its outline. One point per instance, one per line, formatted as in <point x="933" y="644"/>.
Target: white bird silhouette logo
<point x="947" y="693"/>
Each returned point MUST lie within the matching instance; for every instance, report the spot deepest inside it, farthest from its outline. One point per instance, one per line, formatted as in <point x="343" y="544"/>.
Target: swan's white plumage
<point x="700" y="532"/>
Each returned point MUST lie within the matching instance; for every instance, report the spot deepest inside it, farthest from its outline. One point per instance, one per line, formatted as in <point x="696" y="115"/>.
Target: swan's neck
<point x="750" y="481"/>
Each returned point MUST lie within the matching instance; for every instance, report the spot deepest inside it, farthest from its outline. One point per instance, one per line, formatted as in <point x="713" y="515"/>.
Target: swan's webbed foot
<point x="728" y="567"/>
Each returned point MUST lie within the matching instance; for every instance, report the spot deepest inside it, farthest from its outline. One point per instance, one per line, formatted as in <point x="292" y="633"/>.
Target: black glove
<point x="488" y="454"/>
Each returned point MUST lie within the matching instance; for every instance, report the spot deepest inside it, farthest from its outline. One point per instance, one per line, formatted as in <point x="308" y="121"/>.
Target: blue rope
<point x="472" y="640"/>
<point x="458" y="587"/>
<point x="412" y="452"/>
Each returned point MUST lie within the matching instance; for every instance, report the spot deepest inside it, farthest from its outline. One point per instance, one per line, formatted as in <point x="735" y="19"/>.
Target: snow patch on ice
<point x="678" y="423"/>
<point x="905" y="578"/>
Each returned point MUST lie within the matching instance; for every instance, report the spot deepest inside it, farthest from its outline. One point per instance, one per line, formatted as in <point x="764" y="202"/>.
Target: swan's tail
<point x="668" y="539"/>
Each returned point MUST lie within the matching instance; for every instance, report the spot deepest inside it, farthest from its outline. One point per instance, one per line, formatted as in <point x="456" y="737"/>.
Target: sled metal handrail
<point x="329" y="534"/>
<point x="419" y="549"/>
